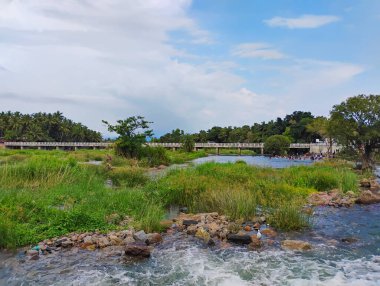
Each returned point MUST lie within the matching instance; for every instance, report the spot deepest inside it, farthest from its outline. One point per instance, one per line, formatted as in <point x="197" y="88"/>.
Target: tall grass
<point x="239" y="190"/>
<point x="44" y="197"/>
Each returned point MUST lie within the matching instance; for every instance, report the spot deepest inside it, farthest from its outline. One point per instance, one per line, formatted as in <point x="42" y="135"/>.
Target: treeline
<point x="293" y="126"/>
<point x="41" y="127"/>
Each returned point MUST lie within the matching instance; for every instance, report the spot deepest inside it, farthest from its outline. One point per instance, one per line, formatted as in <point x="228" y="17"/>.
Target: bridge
<point x="311" y="147"/>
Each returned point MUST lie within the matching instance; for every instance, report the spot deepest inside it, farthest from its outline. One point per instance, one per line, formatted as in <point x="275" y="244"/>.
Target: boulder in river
<point x="203" y="234"/>
<point x="295" y="245"/>
<point x="153" y="238"/>
<point x="269" y="232"/>
<point x="137" y="249"/>
<point x="187" y="222"/>
<point x="368" y="197"/>
<point x="140" y="236"/>
<point x="239" y="238"/>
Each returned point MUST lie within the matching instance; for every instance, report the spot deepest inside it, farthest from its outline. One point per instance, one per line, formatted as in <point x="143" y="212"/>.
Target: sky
<point x="186" y="64"/>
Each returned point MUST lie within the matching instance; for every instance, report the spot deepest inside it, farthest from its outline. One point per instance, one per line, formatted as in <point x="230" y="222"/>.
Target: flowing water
<point x="181" y="260"/>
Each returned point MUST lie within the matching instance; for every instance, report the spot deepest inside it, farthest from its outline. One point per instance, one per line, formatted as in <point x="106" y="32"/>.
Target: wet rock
<point x="203" y="234"/>
<point x="184" y="210"/>
<point x="137" y="249"/>
<point x="256" y="226"/>
<point x="33" y="254"/>
<point x="368" y="197"/>
<point x="375" y="186"/>
<point x="255" y="243"/>
<point x="269" y="232"/>
<point x="295" y="245"/>
<point x="262" y="219"/>
<point x="187" y="222"/>
<point x="91" y="247"/>
<point x="140" y="236"/>
<point x="247" y="228"/>
<point x="223" y="233"/>
<point x="239" y="238"/>
<point x="153" y="238"/>
<point x="349" y="239"/>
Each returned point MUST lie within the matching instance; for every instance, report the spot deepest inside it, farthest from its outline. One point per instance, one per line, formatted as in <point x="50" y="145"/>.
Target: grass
<point x="240" y="191"/>
<point x="46" y="194"/>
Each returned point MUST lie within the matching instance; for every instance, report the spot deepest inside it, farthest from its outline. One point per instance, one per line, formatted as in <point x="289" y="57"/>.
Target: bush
<point x="154" y="156"/>
<point x="128" y="176"/>
<point x="277" y="145"/>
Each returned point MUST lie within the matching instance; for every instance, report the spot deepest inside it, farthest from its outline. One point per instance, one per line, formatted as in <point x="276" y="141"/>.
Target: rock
<point x="115" y="240"/>
<point x="166" y="223"/>
<point x="269" y="232"/>
<point x="137" y="249"/>
<point x="161" y="167"/>
<point x="192" y="229"/>
<point x="255" y="243"/>
<point x="295" y="245"/>
<point x="223" y="233"/>
<point x="153" y="238"/>
<point x="184" y="210"/>
<point x="365" y="183"/>
<point x="88" y="240"/>
<point x="262" y="219"/>
<point x="247" y="228"/>
<point x="213" y="228"/>
<point x="349" y="239"/>
<point x="187" y="222"/>
<point x="67" y="243"/>
<point x="375" y="186"/>
<point x="140" y="236"/>
<point x="103" y="242"/>
<point x="351" y="194"/>
<point x="32" y="252"/>
<point x="239" y="238"/>
<point x="256" y="225"/>
<point x="128" y="240"/>
<point x="211" y="242"/>
<point x="367" y="197"/>
<point x="91" y="247"/>
<point x="64" y="240"/>
<point x="203" y="234"/>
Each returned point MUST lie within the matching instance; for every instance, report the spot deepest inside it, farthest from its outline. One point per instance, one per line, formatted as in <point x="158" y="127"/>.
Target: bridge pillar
<point x="75" y="148"/>
<point x="93" y="148"/>
<point x="262" y="150"/>
<point x="56" y="147"/>
<point x="195" y="149"/>
<point x="21" y="147"/>
<point x="239" y="150"/>
<point x="173" y="148"/>
<point x="39" y="147"/>
<point x="217" y="150"/>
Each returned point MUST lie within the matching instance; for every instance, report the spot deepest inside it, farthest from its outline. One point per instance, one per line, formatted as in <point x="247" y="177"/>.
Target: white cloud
<point x="257" y="50"/>
<point x="302" y="22"/>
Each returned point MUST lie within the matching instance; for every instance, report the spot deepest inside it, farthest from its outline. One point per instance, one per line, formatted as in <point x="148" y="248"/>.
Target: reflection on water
<point x="255" y="160"/>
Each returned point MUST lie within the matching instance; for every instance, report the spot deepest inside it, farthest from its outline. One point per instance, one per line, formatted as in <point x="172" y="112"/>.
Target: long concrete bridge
<point x="311" y="147"/>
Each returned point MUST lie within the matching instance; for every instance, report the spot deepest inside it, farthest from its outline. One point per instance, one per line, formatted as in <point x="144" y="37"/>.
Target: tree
<point x="188" y="143"/>
<point x="277" y="145"/>
<point x="133" y="132"/>
<point x="323" y="127"/>
<point x="356" y="123"/>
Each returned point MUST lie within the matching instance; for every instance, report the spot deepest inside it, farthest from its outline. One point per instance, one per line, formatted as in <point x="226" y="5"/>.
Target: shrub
<point x="277" y="145"/>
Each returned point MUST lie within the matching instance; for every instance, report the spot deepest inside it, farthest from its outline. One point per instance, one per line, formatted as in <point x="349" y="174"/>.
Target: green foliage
<point x="47" y="196"/>
<point x="180" y="157"/>
<point x="154" y="156"/>
<point x="277" y="145"/>
<point x="132" y="132"/>
<point x="294" y="126"/>
<point x="15" y="126"/>
<point x="128" y="176"/>
<point x="356" y="122"/>
<point x="188" y="143"/>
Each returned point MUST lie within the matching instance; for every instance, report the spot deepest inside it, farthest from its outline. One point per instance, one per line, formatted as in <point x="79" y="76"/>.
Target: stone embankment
<point x="369" y="193"/>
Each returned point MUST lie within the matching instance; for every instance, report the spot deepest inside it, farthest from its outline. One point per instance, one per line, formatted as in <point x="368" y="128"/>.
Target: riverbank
<point x="344" y="252"/>
<point x="49" y="194"/>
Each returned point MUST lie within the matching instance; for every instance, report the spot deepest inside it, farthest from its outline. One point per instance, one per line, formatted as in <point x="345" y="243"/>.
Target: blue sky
<point x="186" y="64"/>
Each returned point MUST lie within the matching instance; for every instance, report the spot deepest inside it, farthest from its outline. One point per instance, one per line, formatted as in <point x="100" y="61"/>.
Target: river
<point x="186" y="261"/>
